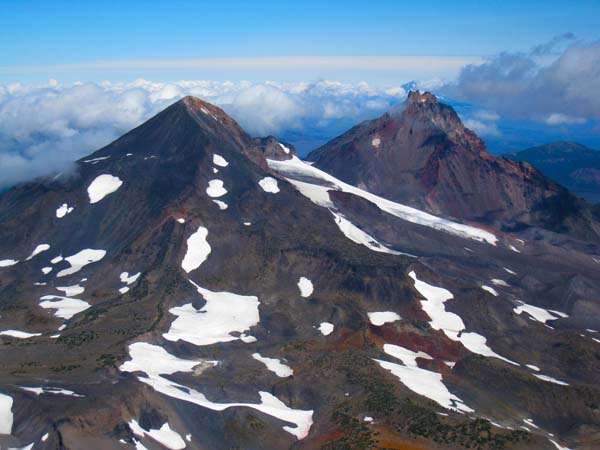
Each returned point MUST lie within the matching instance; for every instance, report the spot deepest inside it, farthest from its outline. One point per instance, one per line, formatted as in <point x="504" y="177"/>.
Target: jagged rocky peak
<point x="272" y="148"/>
<point x="416" y="97"/>
<point x="420" y="153"/>
<point x="432" y="115"/>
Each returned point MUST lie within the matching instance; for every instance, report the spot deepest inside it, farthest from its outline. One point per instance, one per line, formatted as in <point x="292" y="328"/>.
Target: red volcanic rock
<point x="421" y="154"/>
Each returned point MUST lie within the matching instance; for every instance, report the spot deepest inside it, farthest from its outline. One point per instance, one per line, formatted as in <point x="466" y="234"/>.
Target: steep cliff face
<point x="421" y="154"/>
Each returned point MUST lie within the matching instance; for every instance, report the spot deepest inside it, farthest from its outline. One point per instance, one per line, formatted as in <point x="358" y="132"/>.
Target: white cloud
<point x="561" y="119"/>
<point x="482" y="122"/>
<point x="45" y="128"/>
<point x="481" y="128"/>
<point x="488" y="116"/>
<point x="265" y="109"/>
<point x="538" y="85"/>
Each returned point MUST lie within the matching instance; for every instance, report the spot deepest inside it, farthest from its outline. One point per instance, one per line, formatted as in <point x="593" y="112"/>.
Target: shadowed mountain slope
<point x="571" y="164"/>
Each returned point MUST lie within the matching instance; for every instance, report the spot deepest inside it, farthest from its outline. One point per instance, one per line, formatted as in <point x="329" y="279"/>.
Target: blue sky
<point x="74" y="75"/>
<point x="38" y="34"/>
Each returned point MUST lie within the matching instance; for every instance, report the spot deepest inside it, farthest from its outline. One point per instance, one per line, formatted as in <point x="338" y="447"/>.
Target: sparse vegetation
<point x="404" y="415"/>
<point x="357" y="435"/>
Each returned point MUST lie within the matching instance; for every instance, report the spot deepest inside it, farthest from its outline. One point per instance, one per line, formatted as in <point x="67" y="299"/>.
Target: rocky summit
<point x="422" y="155"/>
<point x="189" y="286"/>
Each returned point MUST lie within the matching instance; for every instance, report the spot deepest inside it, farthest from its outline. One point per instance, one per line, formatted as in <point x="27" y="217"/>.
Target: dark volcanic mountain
<point x="188" y="286"/>
<point x="421" y="154"/>
<point x="571" y="164"/>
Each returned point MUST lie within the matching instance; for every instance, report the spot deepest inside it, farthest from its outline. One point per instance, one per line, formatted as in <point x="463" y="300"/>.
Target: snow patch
<point x="70" y="291"/>
<point x="285" y="149"/>
<point x="326" y="328"/>
<point x="18" y="334"/>
<point x="550" y="379"/>
<point x="450" y="323"/>
<point x="360" y="237"/>
<point x="305" y="286"/>
<point x="218" y="160"/>
<point x="489" y="289"/>
<point x="65" y="307"/>
<point x="381" y="317"/>
<point x="274" y="365"/>
<point x="539" y="314"/>
<point x="558" y="446"/>
<point x="80" y="260"/>
<point x="223" y="313"/>
<point x="129" y="279"/>
<point x="6" y="415"/>
<point x="421" y="381"/>
<point x="27" y="447"/>
<point x="408" y="357"/>
<point x="100" y="158"/>
<point x="39" y="249"/>
<point x="50" y="390"/>
<point x="63" y="210"/>
<point x="316" y="192"/>
<point x="215" y="188"/>
<point x="208" y="113"/>
<point x="155" y="361"/>
<point x="198" y="250"/>
<point x="8" y="262"/>
<point x="530" y="423"/>
<point x="102" y="186"/>
<point x="269" y="184"/>
<point x="220" y="204"/>
<point x="164" y="435"/>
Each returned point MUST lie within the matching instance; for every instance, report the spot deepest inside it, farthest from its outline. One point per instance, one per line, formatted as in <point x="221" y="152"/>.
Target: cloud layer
<point x="551" y="92"/>
<point x="45" y="128"/>
<point x="537" y="86"/>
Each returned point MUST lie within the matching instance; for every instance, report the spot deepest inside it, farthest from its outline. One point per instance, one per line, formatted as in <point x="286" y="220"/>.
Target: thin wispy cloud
<point x="284" y="63"/>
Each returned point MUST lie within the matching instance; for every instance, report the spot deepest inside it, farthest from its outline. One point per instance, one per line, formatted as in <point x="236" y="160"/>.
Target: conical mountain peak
<point x="200" y="107"/>
<point x="182" y="128"/>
